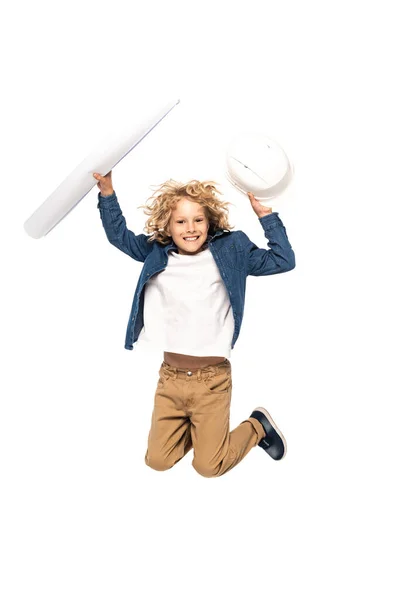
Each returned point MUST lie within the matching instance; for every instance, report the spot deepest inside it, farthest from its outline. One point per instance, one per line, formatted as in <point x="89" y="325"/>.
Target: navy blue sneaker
<point x="273" y="443"/>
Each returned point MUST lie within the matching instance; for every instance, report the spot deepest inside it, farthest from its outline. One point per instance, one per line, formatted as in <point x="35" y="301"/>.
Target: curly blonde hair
<point x="166" y="197"/>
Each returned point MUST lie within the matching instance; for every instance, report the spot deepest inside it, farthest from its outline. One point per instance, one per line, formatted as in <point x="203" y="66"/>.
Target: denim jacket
<point x="234" y="253"/>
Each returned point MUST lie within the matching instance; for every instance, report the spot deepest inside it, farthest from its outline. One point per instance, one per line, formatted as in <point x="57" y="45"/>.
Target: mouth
<point x="191" y="239"/>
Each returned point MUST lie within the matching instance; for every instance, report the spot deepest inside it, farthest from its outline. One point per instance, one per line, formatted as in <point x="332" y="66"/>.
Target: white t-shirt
<point x="187" y="308"/>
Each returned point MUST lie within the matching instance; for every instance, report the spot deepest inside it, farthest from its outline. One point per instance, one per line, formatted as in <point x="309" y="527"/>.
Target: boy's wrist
<point x="106" y="193"/>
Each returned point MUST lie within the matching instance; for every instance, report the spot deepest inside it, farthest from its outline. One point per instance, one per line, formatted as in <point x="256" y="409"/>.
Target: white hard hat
<point x="256" y="163"/>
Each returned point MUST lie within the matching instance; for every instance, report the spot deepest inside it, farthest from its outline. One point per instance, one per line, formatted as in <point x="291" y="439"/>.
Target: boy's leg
<point x="216" y="449"/>
<point x="169" y="437"/>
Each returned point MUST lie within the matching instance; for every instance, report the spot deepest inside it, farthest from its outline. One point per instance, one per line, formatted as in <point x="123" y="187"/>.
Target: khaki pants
<point x="191" y="410"/>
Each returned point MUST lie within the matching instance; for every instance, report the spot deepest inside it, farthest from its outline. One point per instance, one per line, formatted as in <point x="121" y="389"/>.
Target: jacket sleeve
<point x="279" y="258"/>
<point x="136" y="246"/>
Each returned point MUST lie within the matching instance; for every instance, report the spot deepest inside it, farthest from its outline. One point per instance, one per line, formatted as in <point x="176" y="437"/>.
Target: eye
<point x="196" y="220"/>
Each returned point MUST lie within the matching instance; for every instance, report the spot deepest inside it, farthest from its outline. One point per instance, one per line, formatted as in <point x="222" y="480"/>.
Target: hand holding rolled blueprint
<point x="101" y="160"/>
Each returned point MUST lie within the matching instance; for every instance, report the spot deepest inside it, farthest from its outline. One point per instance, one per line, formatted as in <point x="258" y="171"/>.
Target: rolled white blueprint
<point x="109" y="152"/>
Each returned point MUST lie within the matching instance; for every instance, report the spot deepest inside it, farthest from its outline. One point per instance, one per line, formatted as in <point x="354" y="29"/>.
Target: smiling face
<point x="188" y="219"/>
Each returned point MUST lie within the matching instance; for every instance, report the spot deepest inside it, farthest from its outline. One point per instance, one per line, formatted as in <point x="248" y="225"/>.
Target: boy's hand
<point x="259" y="208"/>
<point x="105" y="184"/>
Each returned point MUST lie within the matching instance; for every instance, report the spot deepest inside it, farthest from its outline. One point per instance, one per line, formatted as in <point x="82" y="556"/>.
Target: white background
<point x="82" y="516"/>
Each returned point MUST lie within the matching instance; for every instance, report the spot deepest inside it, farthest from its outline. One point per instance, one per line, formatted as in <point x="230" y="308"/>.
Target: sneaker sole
<point x="262" y="410"/>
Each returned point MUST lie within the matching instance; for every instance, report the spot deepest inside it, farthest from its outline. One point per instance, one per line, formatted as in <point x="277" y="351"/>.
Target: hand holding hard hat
<point x="259" y="208"/>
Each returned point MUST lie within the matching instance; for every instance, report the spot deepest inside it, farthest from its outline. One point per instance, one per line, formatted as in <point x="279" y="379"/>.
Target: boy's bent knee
<point x="206" y="470"/>
<point x="158" y="463"/>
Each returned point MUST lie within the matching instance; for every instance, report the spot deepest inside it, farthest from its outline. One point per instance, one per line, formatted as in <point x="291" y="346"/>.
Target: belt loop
<point x="170" y="370"/>
<point x="198" y="375"/>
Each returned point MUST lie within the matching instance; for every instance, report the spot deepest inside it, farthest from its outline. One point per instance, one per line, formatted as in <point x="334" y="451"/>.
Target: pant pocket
<point x="217" y="383"/>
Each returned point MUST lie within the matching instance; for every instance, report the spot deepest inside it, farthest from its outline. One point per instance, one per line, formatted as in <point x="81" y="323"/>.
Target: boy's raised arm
<point x="114" y="223"/>
<point x="279" y="258"/>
